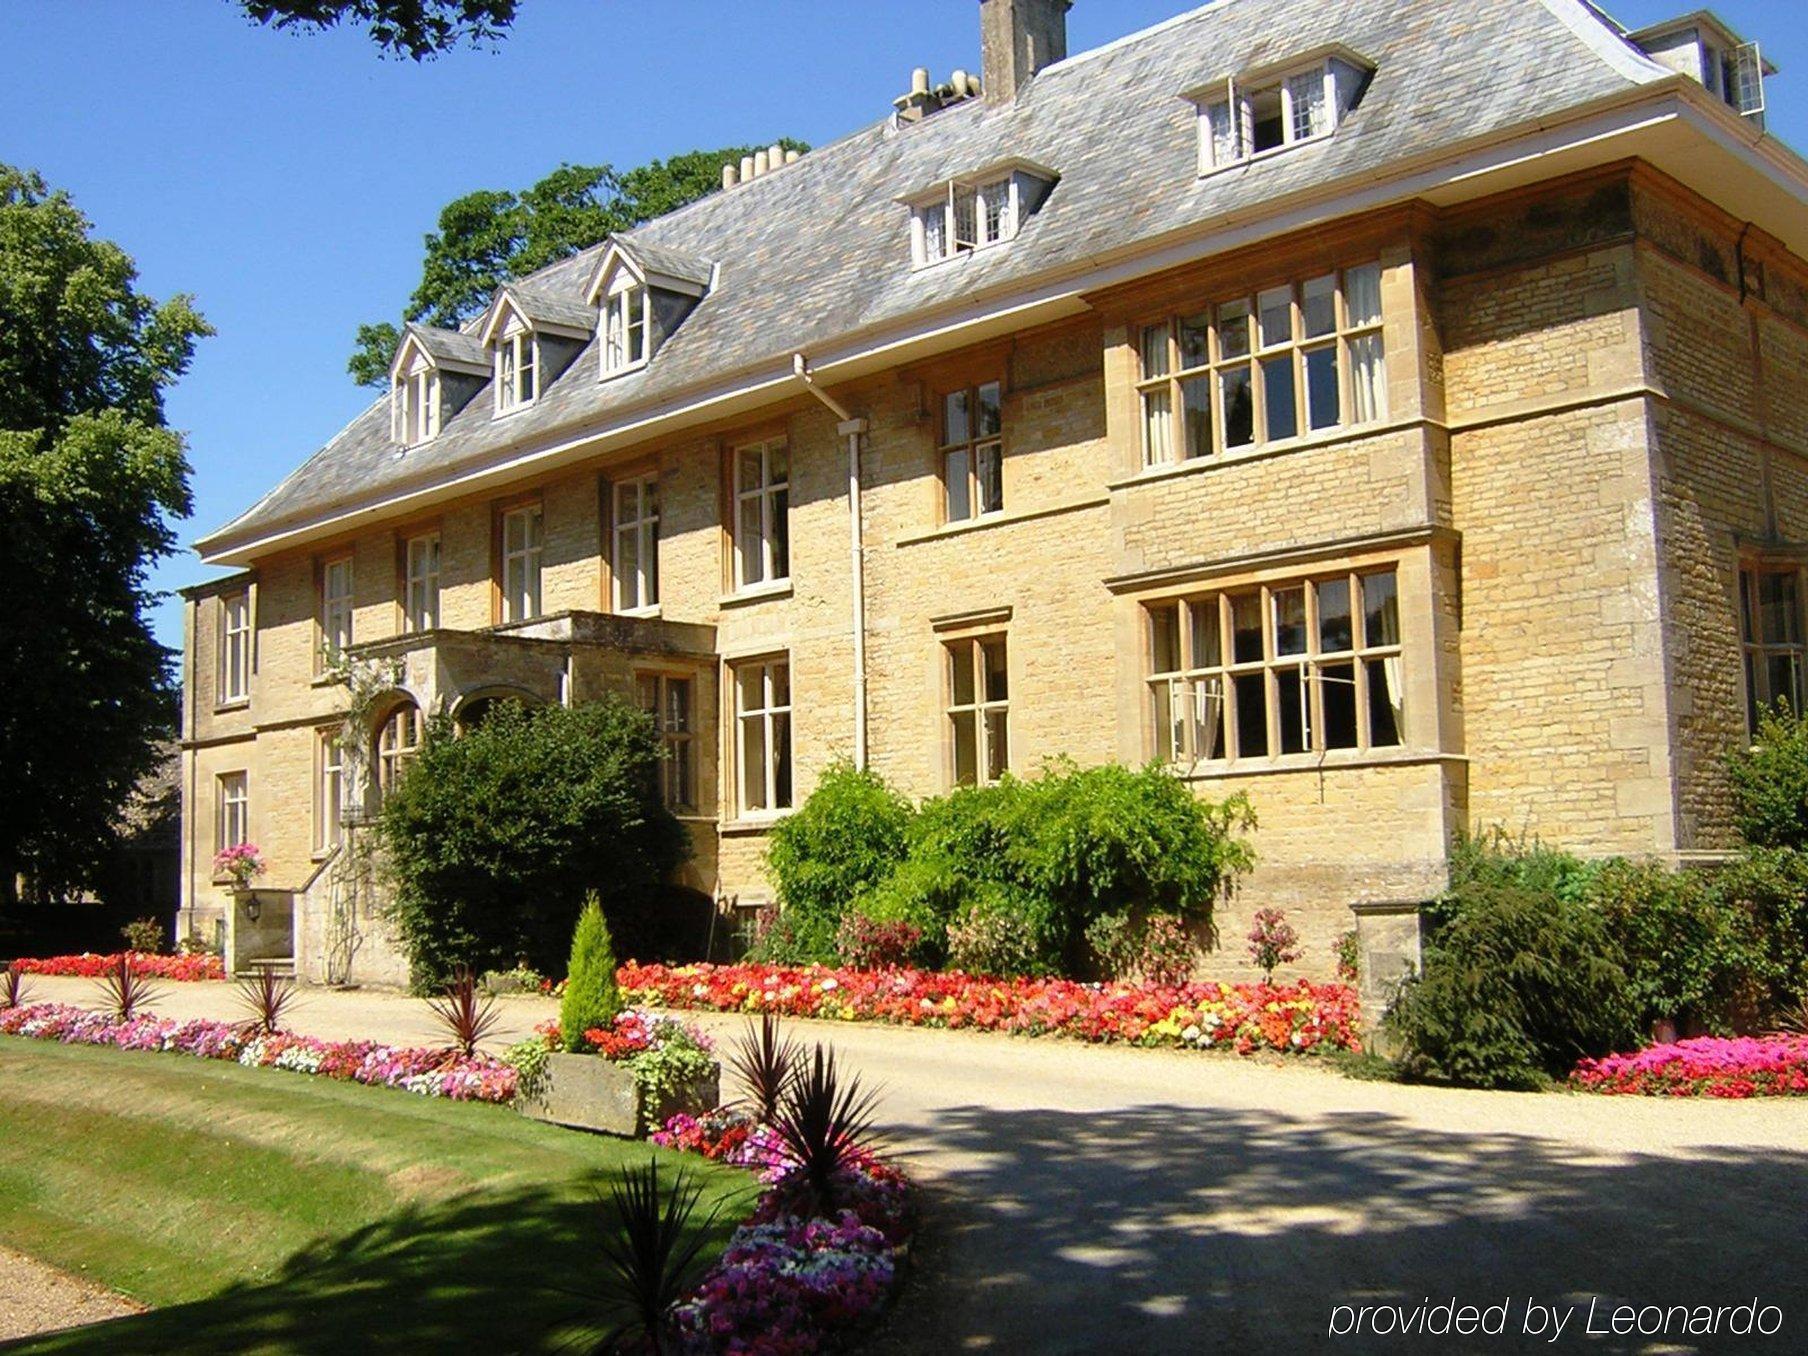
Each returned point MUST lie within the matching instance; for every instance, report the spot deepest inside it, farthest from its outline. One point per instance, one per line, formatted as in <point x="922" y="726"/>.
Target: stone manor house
<point x="1395" y="412"/>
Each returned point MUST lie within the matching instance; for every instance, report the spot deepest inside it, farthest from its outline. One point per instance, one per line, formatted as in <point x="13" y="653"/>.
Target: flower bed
<point x="1292" y="1018"/>
<point x="430" y="1073"/>
<point x="792" y="1281"/>
<point x="1709" y="1066"/>
<point x="184" y="969"/>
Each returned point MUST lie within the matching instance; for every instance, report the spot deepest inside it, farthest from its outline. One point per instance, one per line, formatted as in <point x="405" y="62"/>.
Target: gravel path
<point x="1092" y="1198"/>
<point x="35" y="1298"/>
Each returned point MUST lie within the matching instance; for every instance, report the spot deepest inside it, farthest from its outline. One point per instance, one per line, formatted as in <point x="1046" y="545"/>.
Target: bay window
<point x="1278" y="669"/>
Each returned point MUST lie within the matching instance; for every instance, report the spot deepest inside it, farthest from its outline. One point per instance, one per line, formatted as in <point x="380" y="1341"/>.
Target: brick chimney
<point x="1017" y="38"/>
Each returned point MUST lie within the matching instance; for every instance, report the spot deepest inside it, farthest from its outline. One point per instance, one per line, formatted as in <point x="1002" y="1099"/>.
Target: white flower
<point x="1192" y="1033"/>
<point x="828" y="984"/>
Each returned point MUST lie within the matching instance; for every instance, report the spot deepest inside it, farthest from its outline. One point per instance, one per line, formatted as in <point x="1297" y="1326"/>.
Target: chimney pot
<point x="730" y="176"/>
<point x="760" y="163"/>
<point x="1018" y="38"/>
<point x="919" y="80"/>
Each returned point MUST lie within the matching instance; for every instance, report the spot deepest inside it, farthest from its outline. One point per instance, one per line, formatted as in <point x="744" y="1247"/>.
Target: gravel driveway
<point x="1097" y="1199"/>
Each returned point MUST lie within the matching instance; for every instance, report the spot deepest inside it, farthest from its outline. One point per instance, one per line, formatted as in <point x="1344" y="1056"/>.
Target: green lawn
<point x="264" y="1211"/>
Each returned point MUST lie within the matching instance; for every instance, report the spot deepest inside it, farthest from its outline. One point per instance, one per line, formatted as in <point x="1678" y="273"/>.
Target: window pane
<point x="781" y="534"/>
<point x="1745" y="606"/>
<point x="781" y="758"/>
<point x="1362" y="294"/>
<point x="1382" y="608"/>
<point x="994" y="203"/>
<point x="1785" y="676"/>
<point x="966" y="748"/>
<point x="1318" y="307"/>
<point x="1246" y="628"/>
<point x="961" y="689"/>
<point x="955" y="425"/>
<point x="1164" y="638"/>
<point x="1289" y="621"/>
<point x="1195" y="340"/>
<point x="1222" y="128"/>
<point x="1306" y="93"/>
<point x="1196" y="415"/>
<point x="1168" y="696"/>
<point x="1233" y="330"/>
<point x="627" y="566"/>
<point x="1251" y="691"/>
<point x="1208" y="717"/>
<point x="752" y="682"/>
<point x="1276" y="317"/>
<point x="1779" y="616"/>
<point x="1155" y="351"/>
<point x="751" y="475"/>
<point x="1337" y="693"/>
<point x="1336" y="633"/>
<point x="753" y="763"/>
<point x="1281" y="405"/>
<point x="1296" y="724"/>
<point x="1385" y="702"/>
<point x="998" y="745"/>
<point x="1208" y="635"/>
<point x="1321" y="388"/>
<point x="992" y="658"/>
<point x="1265" y="112"/>
<point x="750" y="539"/>
<point x="957" y="476"/>
<point x="991" y="417"/>
<point x="1368" y="379"/>
<point x="1158" y="434"/>
<point x="1239" y="407"/>
<point x="991" y="478"/>
<point x="781" y="683"/>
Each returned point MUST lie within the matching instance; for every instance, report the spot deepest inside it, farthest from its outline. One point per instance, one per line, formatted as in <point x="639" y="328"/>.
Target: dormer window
<point x="1250" y="116"/>
<point x="415" y="404"/>
<point x="1704" y="49"/>
<point x="644" y="292"/>
<point x="625" y="325"/>
<point x="964" y="215"/>
<point x="517" y="371"/>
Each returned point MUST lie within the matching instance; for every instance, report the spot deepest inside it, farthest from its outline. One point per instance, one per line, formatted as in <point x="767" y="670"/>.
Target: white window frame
<point x="1199" y="355"/>
<point x="768" y="496"/>
<point x="956" y="222"/>
<point x="337" y="612"/>
<point x="414" y="404"/>
<point x="768" y="723"/>
<point x="972" y="464"/>
<point x="522" y="536"/>
<point x="398" y="742"/>
<point x="234" y="678"/>
<point x="329" y="791"/>
<point x="670" y="699"/>
<point x="634" y="509"/>
<point x="420" y="582"/>
<point x="627" y="318"/>
<point x="517" y="368"/>
<point x="232" y="810"/>
<point x="1194" y="702"/>
<point x="1233" y="108"/>
<point x="980" y="716"/>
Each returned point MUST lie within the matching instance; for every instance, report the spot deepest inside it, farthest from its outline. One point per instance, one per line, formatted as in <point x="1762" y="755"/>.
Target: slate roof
<point x="450" y="345"/>
<point x="656" y="258"/>
<point x="545" y="307"/>
<point x="818" y="250"/>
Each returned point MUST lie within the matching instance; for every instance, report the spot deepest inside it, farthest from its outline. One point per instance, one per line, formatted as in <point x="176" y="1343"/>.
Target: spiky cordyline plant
<point x="128" y="991"/>
<point x="650" y="1249"/>
<point x="763" y="1061"/>
<point x="822" y="1122"/>
<point x="13" y="987"/>
<point x="265" y="996"/>
<point x="465" y="1015"/>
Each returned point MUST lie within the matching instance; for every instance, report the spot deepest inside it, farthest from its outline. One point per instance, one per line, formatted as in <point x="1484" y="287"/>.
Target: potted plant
<point x="240" y="864"/>
<point x="606" y="1068"/>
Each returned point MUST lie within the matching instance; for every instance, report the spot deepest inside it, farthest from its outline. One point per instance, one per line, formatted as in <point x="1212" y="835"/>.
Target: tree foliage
<point x="592" y="997"/>
<point x="491" y="236"/>
<point x="90" y="478"/>
<point x="417" y="29"/>
<point x="496" y="837"/>
<point x="1770" y="782"/>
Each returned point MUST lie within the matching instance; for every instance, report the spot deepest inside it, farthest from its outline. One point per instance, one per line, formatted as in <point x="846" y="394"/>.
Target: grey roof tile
<point x="818" y="249"/>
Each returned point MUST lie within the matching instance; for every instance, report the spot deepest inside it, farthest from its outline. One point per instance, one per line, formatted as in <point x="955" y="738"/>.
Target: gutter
<point x="853" y="430"/>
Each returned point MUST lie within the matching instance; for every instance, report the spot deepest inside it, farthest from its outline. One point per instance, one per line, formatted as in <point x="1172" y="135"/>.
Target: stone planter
<point x="586" y="1092"/>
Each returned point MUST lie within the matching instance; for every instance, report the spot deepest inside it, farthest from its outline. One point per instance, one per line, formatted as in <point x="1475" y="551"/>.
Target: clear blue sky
<point x="287" y="180"/>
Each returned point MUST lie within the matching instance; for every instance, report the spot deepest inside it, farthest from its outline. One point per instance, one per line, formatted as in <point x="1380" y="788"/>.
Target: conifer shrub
<point x="592" y="997"/>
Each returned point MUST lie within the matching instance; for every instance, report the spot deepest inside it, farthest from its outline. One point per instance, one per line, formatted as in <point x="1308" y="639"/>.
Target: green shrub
<point x="1770" y="782"/>
<point x="1517" y="984"/>
<point x="1002" y="933"/>
<point x="1766" y="892"/>
<point x="845" y="839"/>
<point x="495" y="837"/>
<point x="144" y="935"/>
<point x="923" y="891"/>
<point x="592" y="996"/>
